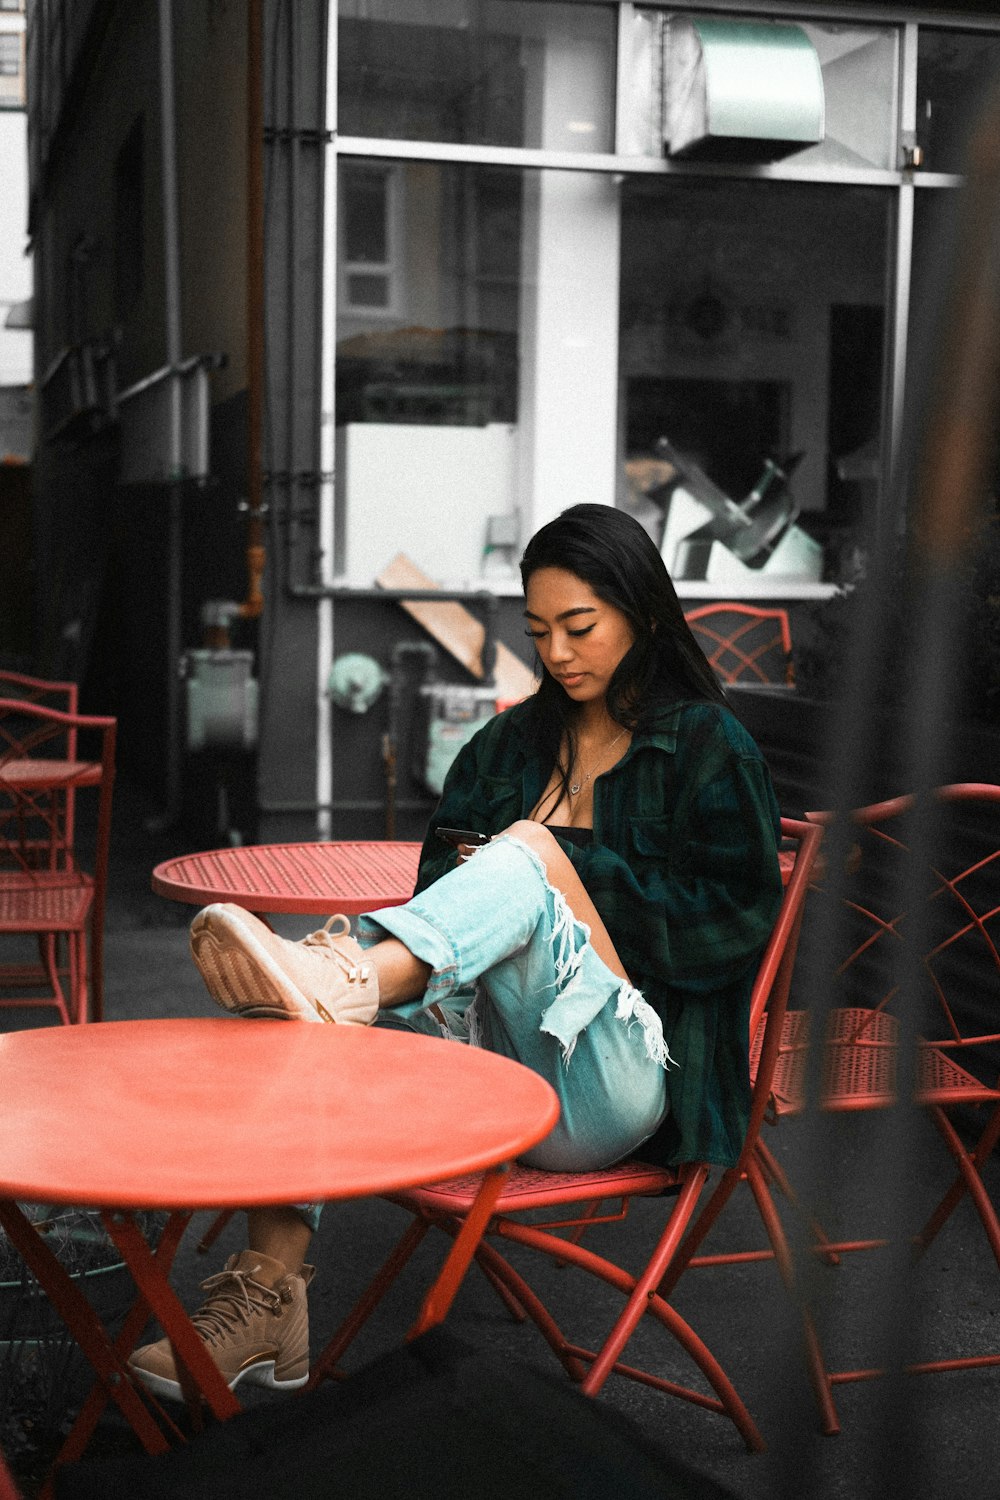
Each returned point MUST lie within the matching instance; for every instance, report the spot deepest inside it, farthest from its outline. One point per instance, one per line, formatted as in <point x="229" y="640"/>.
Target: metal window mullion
<point x="623" y="74"/>
<point x="874" y="15"/>
<point x="896" y="392"/>
<point x="609" y="165"/>
<point x="900" y="280"/>
<point x="326" y="494"/>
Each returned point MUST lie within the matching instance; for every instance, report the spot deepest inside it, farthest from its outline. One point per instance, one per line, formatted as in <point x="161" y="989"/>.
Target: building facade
<point x="434" y="273"/>
<point x="16" y="365"/>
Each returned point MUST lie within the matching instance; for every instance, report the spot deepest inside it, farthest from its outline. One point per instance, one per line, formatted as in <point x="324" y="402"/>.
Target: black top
<point x="579" y="836"/>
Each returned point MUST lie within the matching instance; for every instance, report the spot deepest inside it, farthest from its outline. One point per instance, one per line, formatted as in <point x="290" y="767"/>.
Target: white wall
<point x="568" y="341"/>
<point x="15" y="264"/>
<point x="425" y="491"/>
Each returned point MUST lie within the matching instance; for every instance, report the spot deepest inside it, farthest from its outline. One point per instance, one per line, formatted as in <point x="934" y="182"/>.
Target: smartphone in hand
<point x="459" y="836"/>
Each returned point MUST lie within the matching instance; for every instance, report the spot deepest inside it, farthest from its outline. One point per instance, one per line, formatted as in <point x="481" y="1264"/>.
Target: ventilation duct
<point x="743" y="90"/>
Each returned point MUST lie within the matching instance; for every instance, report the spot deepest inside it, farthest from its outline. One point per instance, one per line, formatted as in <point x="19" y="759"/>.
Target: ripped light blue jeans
<point x="523" y="980"/>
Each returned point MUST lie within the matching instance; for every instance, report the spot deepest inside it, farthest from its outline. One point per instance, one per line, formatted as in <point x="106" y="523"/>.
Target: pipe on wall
<point x="253" y="604"/>
<point x="173" y="332"/>
<point x="327" y="429"/>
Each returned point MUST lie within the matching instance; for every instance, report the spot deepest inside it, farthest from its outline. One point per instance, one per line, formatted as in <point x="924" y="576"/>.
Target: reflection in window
<point x="858" y="64"/>
<point x="489" y="388"/>
<point x="752" y="326"/>
<point x="477" y="72"/>
<point x="10" y="54"/>
<point x="428" y="317"/>
<point x="426" y="364"/>
<point x="953" y="69"/>
<point x="368" y="217"/>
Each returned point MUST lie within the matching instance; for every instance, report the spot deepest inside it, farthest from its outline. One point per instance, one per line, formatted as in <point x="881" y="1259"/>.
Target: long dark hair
<point x="609" y="550"/>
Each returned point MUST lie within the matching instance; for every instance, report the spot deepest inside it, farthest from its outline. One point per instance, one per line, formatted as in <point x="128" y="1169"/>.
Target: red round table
<point x="167" y="1114"/>
<point x="315" y="879"/>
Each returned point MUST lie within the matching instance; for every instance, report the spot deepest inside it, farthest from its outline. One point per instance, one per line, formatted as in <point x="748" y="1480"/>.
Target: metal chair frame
<point x="46" y="693"/>
<point x="576" y="1197"/>
<point x="744" y="653"/>
<point x="44" y="890"/>
<point x="859" y="1068"/>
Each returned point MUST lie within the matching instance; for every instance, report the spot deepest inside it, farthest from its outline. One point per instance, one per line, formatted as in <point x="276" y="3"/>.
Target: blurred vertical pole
<point x="944" y="473"/>
<point x="326" y="494"/>
<point x="172" y="304"/>
<point x="255" y="306"/>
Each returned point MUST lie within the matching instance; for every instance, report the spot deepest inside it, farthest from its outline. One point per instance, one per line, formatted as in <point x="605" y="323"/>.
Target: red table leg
<point x="189" y="1350"/>
<point x="84" y="1324"/>
<point x="135" y="1321"/>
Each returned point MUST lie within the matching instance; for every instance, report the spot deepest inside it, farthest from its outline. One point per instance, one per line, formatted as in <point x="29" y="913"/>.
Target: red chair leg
<point x="368" y="1301"/>
<point x="495" y="1265"/>
<point x="640" y="1295"/>
<point x="773" y="1168"/>
<point x="214" y="1229"/>
<point x="815" y="1365"/>
<point x="968" y="1181"/>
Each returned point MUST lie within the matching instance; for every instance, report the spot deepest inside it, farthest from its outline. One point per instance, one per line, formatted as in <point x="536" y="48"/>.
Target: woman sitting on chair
<point x="606" y="934"/>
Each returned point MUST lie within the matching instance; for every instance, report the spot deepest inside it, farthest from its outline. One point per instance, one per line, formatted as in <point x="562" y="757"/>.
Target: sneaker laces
<point x="325" y="941"/>
<point x="235" y="1298"/>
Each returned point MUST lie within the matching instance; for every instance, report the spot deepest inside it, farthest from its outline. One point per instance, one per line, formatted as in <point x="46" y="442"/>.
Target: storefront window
<point x="478" y="72"/>
<point x="953" y="69"/>
<point x="476" y="388"/>
<point x="857" y="66"/>
<point x="428" y="314"/>
<point x="752" y="329"/>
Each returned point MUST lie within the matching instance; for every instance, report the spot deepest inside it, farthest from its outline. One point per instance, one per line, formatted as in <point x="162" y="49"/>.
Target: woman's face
<point x="580" y="639"/>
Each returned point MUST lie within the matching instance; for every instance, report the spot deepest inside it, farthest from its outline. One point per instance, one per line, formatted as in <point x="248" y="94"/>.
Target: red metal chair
<point x="43" y="690"/>
<point x="47" y="693"/>
<point x="577" y="1197"/>
<point x="745" y="644"/>
<point x="958" y="919"/>
<point x="45" y="891"/>
<point x="8" y="1489"/>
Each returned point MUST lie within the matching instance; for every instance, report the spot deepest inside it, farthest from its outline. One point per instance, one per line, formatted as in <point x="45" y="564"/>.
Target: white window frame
<point x="14" y="39"/>
<point x="389" y="270"/>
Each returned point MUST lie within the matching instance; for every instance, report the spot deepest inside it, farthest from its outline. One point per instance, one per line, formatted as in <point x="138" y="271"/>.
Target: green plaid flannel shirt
<point x="683" y="869"/>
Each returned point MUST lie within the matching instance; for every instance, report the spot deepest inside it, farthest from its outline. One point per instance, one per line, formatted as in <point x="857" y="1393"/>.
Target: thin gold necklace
<point x="576" y="787"/>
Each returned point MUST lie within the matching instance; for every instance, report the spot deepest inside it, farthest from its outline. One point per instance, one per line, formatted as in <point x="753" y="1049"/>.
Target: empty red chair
<point x="47" y="892"/>
<point x="946" y="990"/>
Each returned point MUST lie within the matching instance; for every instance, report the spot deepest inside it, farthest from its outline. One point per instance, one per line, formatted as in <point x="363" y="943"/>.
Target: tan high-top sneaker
<point x="252" y="971"/>
<point x="255" y="1325"/>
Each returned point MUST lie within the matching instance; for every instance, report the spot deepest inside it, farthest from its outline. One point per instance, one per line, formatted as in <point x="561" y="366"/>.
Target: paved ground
<point x="941" y="1439"/>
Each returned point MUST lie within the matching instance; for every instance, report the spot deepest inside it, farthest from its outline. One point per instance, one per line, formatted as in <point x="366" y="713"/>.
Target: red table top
<point x="226" y="1113"/>
<point x="316" y="879"/>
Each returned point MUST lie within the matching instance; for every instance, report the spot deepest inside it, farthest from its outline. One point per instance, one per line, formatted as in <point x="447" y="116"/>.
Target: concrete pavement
<point x="940" y="1439"/>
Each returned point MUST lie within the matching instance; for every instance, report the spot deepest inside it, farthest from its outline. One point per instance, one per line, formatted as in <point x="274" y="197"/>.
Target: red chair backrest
<point x="955" y="922"/>
<point x="745" y="643"/>
<point x="45" y="691"/>
<point x="37" y="823"/>
<point x="769" y="998"/>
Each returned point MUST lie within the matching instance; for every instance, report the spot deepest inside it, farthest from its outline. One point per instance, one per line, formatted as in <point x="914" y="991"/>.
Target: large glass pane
<point x="478" y="72"/>
<point x="858" y="66"/>
<point x="427" y="328"/>
<point x="752" y="330"/>
<point x="476" y="387"/>
<point x="953" y="69"/>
